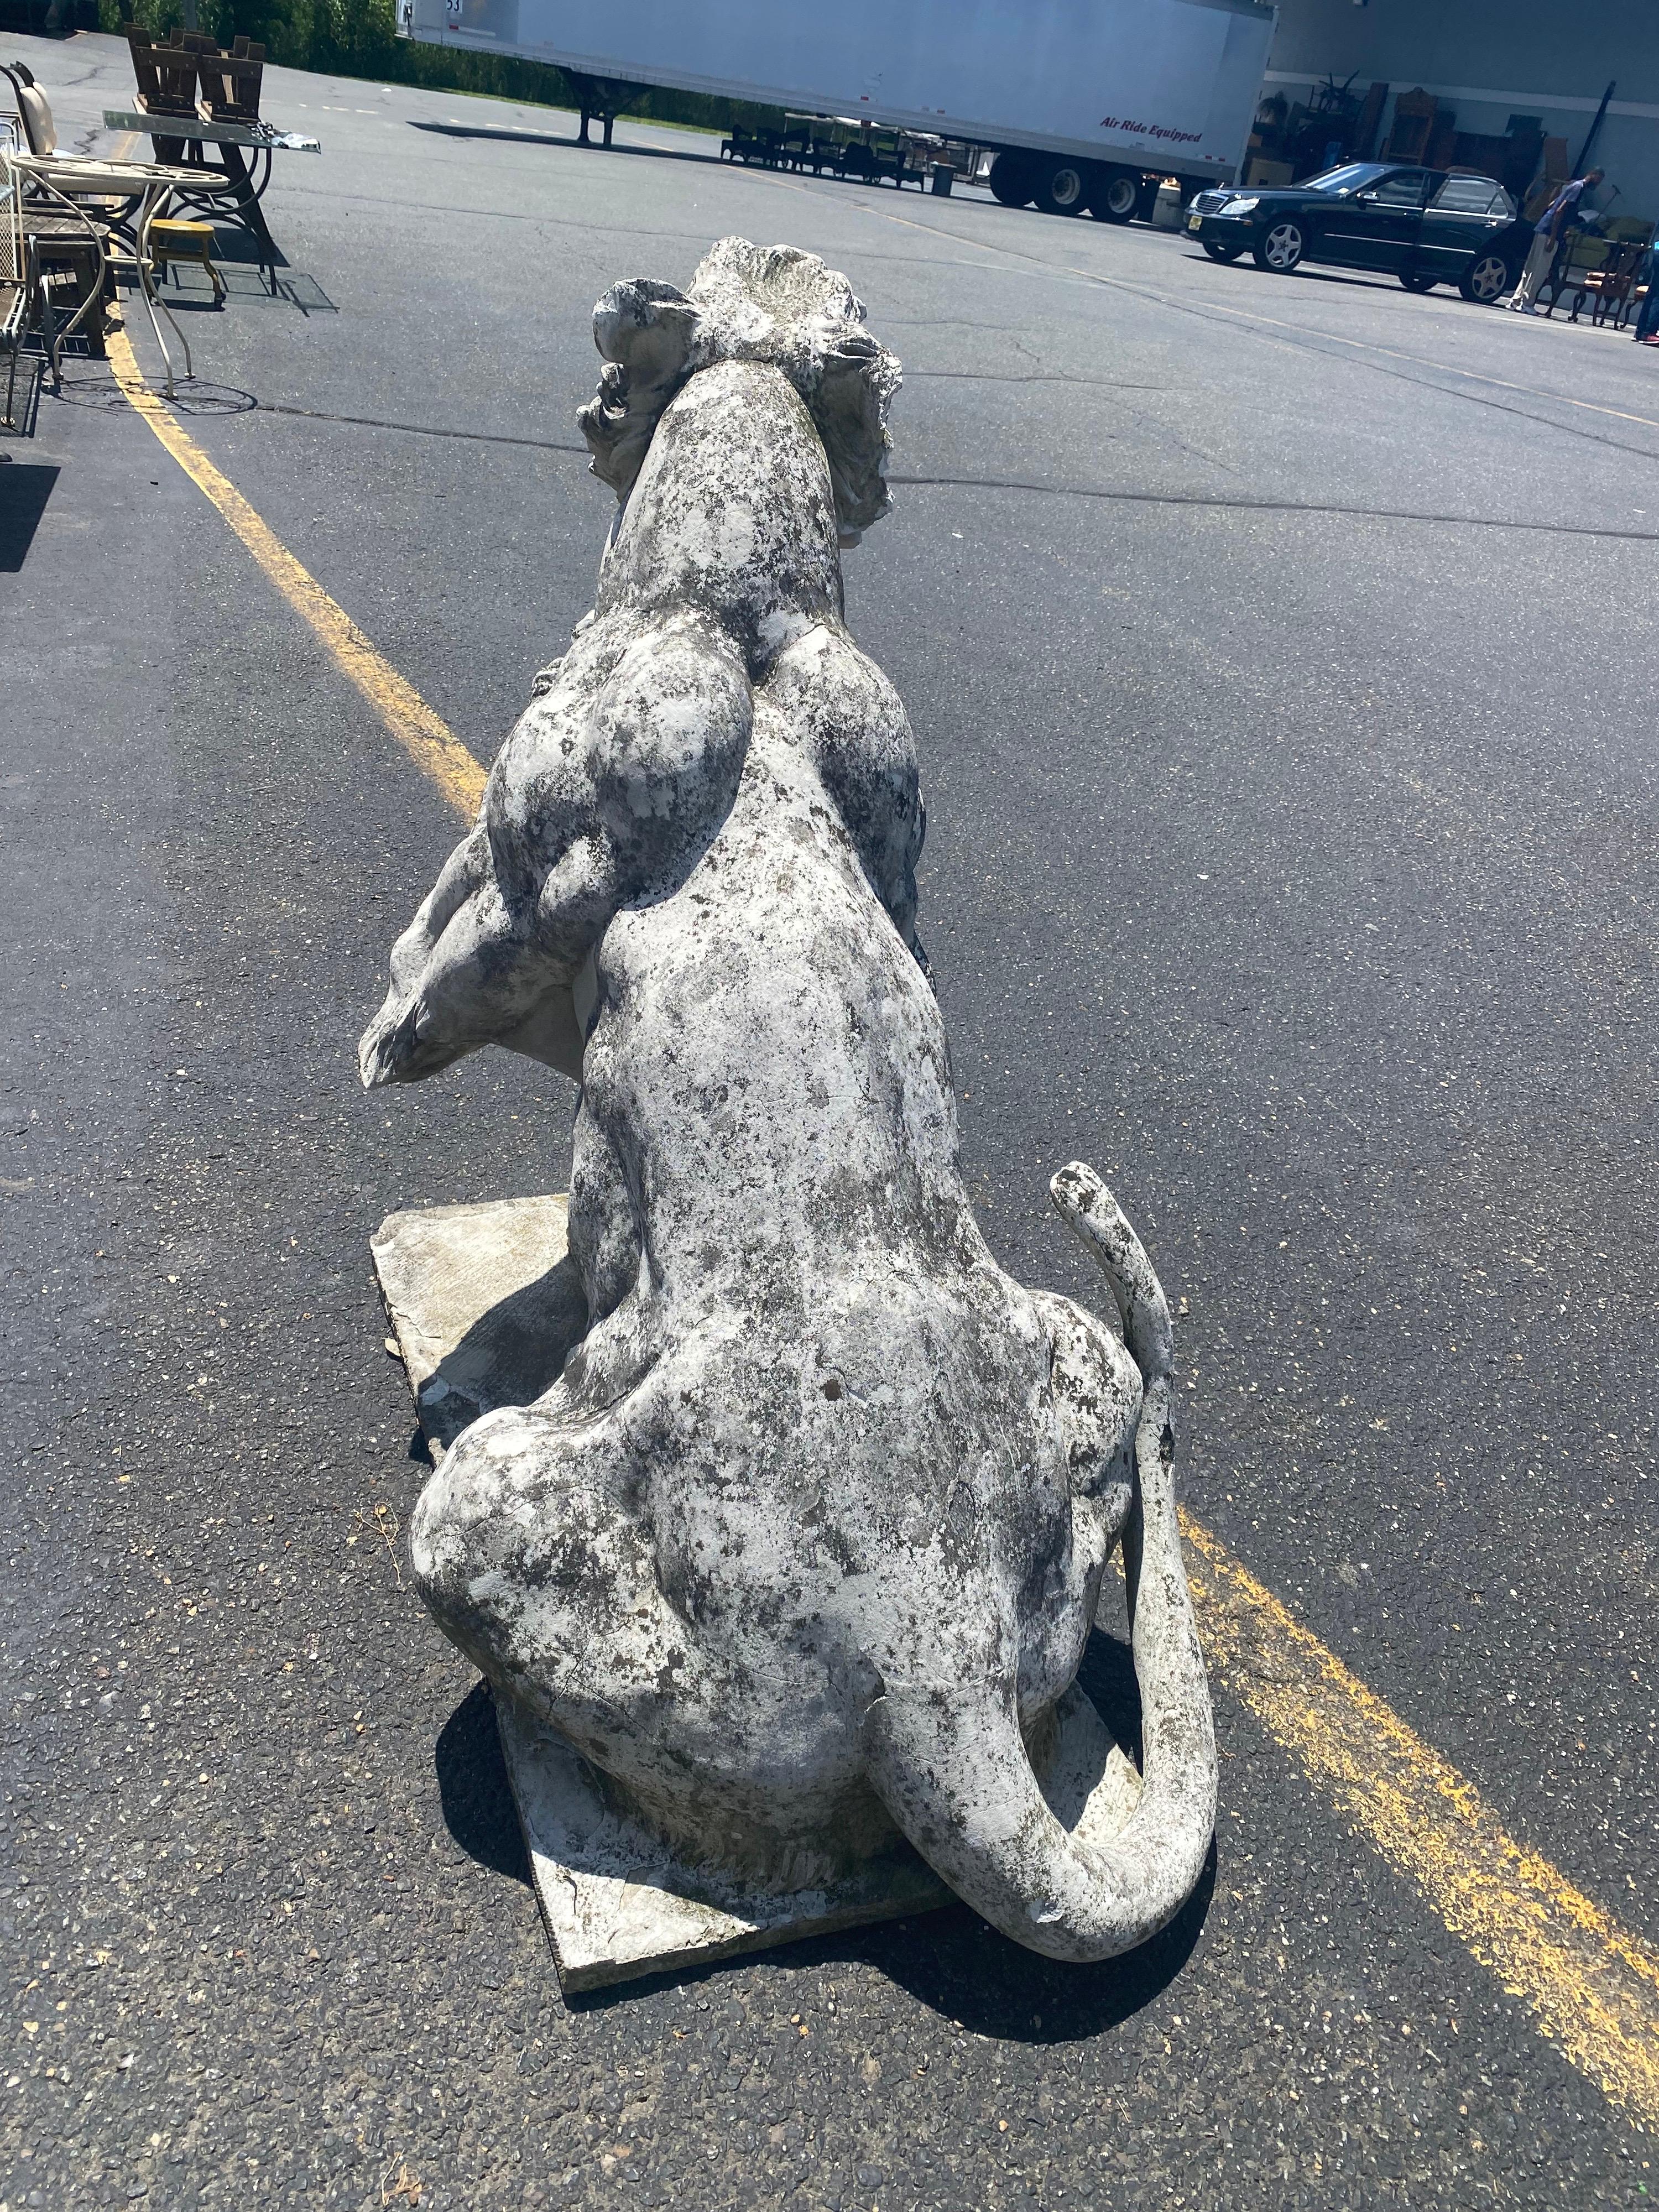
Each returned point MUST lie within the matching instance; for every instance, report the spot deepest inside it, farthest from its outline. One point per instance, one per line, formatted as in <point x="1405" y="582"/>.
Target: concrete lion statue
<point x="804" y="1546"/>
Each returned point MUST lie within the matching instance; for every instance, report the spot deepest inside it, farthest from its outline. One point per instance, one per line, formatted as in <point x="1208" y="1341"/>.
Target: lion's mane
<point x="747" y="302"/>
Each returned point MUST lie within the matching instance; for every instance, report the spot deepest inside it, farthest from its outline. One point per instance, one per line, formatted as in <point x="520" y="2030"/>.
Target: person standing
<point x="1552" y="224"/>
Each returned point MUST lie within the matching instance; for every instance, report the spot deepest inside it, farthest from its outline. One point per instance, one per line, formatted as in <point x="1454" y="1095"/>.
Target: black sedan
<point x="1423" y="226"/>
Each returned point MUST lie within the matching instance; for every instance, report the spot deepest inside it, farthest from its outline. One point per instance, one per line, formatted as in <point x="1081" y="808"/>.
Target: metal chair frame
<point x="43" y="285"/>
<point x="144" y="191"/>
<point x="14" y="292"/>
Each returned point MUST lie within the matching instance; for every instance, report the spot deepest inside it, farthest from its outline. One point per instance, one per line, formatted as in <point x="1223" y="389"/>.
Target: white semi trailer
<point x="1082" y="101"/>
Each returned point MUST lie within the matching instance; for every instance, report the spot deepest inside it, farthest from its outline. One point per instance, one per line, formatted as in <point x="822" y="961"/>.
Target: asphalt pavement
<point x="1281" y="657"/>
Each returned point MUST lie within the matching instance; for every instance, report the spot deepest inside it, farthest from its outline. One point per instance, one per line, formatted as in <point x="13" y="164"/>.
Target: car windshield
<point x="1348" y="179"/>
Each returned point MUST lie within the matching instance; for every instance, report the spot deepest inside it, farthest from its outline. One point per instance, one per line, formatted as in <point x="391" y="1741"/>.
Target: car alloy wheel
<point x="1415" y="281"/>
<point x="1486" y="281"/>
<point x="1221" y="253"/>
<point x="1281" y="248"/>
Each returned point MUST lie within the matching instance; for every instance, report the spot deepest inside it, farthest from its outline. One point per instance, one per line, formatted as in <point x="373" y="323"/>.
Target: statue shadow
<point x="960" y="1967"/>
<point x="473" y="1790"/>
<point x="510" y="1355"/>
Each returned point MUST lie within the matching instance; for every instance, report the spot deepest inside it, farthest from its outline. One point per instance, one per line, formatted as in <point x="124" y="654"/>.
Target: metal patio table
<point x="232" y="142"/>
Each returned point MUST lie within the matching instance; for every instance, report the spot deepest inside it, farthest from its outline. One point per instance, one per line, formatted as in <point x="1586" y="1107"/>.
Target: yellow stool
<point x="185" y="241"/>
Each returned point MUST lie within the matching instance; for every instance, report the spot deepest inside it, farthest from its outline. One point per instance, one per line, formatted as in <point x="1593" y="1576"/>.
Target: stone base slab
<point x="617" y="1902"/>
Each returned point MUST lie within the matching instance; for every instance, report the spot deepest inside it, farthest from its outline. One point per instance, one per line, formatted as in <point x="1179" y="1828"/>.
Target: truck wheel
<point x="1062" y="188"/>
<point x="1484" y="280"/>
<point x="1013" y="179"/>
<point x="1114" y="199"/>
<point x="1280" y="248"/>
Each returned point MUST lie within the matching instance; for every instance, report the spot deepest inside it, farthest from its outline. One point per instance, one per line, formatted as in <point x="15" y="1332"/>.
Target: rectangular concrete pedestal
<point x="486" y="1303"/>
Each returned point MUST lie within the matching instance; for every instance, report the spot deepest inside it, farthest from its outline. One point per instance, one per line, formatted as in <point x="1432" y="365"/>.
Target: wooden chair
<point x="68" y="254"/>
<point x="1610" y="285"/>
<point x="1414" y="113"/>
<point x="165" y="75"/>
<point x="1578" y="255"/>
<point x="795" y="145"/>
<point x="48" y="247"/>
<point x="749" y="147"/>
<point x="231" y="83"/>
<point x="172" y="241"/>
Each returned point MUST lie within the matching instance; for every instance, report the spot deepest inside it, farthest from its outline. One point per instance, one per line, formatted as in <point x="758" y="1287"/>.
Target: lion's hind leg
<point x="523" y="1548"/>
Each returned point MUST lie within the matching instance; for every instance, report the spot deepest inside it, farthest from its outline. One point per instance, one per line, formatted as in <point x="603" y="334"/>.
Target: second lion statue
<point x="805" y="1544"/>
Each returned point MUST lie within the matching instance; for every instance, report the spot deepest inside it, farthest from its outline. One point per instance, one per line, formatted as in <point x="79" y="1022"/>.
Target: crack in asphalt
<point x="419" y="430"/>
<point x="1275" y="506"/>
<point x="997" y="376"/>
<point x="1049" y="490"/>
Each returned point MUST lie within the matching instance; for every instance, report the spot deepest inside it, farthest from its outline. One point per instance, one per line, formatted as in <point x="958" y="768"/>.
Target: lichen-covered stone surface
<point x="802" y="1549"/>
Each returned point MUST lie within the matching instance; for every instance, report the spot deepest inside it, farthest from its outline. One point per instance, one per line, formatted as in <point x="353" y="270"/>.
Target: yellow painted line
<point x="1592" y="1986"/>
<point x="428" y="741"/>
